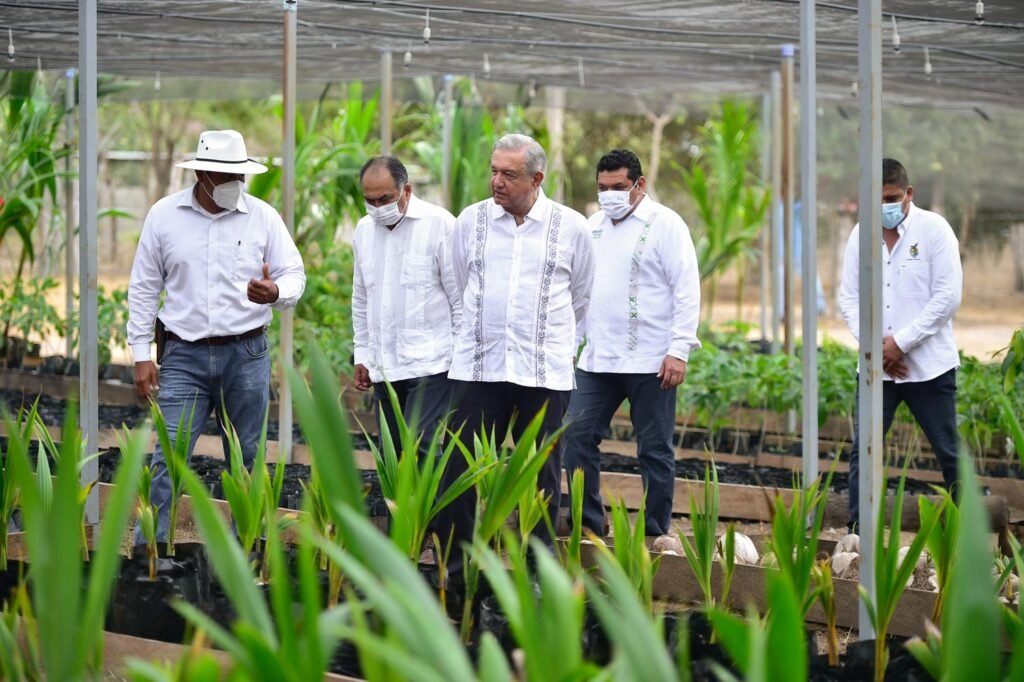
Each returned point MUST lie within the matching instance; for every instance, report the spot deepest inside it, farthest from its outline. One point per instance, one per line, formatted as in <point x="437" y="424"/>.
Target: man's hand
<point x="361" y="378"/>
<point x="263" y="290"/>
<point x="672" y="372"/>
<point x="147" y="378"/>
<point x="892" y="359"/>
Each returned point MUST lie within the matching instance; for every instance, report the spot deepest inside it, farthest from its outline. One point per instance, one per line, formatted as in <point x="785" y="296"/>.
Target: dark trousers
<point x="933" y="404"/>
<point x="424" y="402"/>
<point x="505" y="408"/>
<point x="652" y="411"/>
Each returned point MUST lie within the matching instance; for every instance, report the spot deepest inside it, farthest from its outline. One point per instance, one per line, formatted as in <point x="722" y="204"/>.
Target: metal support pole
<point x="765" y="244"/>
<point x="870" y="288"/>
<point x="386" y="83"/>
<point x="776" y="208"/>
<point x="556" y="130"/>
<point x="69" y="210"/>
<point x="284" y="392"/>
<point x="809" y="222"/>
<point x="446" y="143"/>
<point x="787" y="197"/>
<point x="88" y="338"/>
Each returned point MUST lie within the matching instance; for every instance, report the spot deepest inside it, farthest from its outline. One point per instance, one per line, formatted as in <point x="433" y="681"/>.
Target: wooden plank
<point x="110" y="392"/>
<point x="119" y="649"/>
<point x="675" y="582"/>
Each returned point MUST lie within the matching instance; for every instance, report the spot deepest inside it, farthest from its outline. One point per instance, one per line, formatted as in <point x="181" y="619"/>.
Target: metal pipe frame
<point x="809" y="223"/>
<point x="789" y="279"/>
<point x="69" y="209"/>
<point x="446" y="142"/>
<point x="386" y="96"/>
<point x="776" y="223"/>
<point x="88" y="345"/>
<point x="869" y="34"/>
<point x="290" y="10"/>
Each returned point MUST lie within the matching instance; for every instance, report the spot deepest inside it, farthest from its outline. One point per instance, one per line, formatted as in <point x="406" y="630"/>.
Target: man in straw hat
<point x="224" y="259"/>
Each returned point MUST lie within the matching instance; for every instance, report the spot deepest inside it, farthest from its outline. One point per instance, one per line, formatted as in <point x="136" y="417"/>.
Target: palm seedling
<point x="18" y="436"/>
<point x="727" y="557"/>
<point x="245" y="491"/>
<point x="891" y="574"/>
<point x="176" y="461"/>
<point x="412" y="484"/>
<point x="321" y="521"/>
<point x="701" y="552"/>
<point x="290" y="639"/>
<point x="944" y="519"/>
<point x="794" y="544"/>
<point x="825" y="589"/>
<point x="573" y="560"/>
<point x="630" y="551"/>
<point x="545" y="613"/>
<point x="147" y="514"/>
<point x="68" y="618"/>
<point x="506" y="476"/>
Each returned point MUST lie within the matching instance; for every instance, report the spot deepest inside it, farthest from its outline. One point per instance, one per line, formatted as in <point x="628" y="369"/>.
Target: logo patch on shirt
<point x="596" y="234"/>
<point x="913" y="250"/>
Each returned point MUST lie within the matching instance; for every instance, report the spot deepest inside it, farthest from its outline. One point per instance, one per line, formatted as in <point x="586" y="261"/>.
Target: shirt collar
<point x="537" y="213"/>
<point x="415" y="208"/>
<point x="643" y="210"/>
<point x="188" y="200"/>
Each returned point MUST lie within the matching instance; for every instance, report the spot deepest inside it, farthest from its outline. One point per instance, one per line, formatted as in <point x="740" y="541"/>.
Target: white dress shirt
<point x="646" y="298"/>
<point x="404" y="298"/>
<point x="526" y="287"/>
<point x="204" y="262"/>
<point x="922" y="282"/>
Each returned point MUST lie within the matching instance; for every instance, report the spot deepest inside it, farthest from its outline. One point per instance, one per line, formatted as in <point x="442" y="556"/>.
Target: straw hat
<point x="223" y="151"/>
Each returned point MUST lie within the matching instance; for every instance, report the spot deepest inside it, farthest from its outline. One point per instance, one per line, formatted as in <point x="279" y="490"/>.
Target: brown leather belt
<point x="220" y="340"/>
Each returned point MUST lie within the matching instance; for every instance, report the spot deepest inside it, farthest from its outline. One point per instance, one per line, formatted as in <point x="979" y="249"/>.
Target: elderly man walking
<point x="404" y="300"/>
<point x="224" y="259"/>
<point x="525" y="265"/>
<point x="639" y="333"/>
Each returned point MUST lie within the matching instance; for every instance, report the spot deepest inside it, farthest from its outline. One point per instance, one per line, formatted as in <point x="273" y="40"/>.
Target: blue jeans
<point x="652" y="411"/>
<point x="233" y="378"/>
<point x="933" y="404"/>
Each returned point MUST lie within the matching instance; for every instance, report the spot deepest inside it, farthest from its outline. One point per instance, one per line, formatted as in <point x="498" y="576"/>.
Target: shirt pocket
<point x="248" y="261"/>
<point x="368" y="269"/>
<point x="415" y="278"/>
<point x="915" y="280"/>
<point x="414" y="346"/>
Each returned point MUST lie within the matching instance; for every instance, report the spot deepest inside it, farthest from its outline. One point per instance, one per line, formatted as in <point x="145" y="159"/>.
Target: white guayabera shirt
<point x="646" y="298"/>
<point x="922" y="282"/>
<point x="204" y="262"/>
<point x="404" y="300"/>
<point x="525" y="289"/>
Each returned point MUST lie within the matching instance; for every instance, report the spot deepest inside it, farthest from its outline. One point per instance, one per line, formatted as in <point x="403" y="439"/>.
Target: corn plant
<point x="774" y="648"/>
<point x="630" y="552"/>
<point x="825" y="589"/>
<point x="891" y="575"/>
<point x="412" y="484"/>
<point x="701" y="552"/>
<point x="176" y="461"/>
<point x="146" y="512"/>
<point x="291" y="638"/>
<point x="794" y="544"/>
<point x="941" y="542"/>
<point x="638" y="650"/>
<point x="70" y="618"/>
<point x="245" y="492"/>
<point x="546" y="624"/>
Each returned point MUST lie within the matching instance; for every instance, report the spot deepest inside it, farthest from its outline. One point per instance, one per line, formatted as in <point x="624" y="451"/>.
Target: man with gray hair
<point x="525" y="266"/>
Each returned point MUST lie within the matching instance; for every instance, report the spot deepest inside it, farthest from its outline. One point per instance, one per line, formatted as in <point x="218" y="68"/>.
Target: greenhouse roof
<point x="658" y="50"/>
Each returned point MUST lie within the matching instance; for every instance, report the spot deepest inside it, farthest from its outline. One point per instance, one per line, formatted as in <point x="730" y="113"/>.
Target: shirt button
<point x="886" y="284"/>
<point x="887" y="307"/>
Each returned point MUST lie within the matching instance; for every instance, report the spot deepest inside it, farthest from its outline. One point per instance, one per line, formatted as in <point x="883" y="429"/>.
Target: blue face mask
<point x="892" y="215"/>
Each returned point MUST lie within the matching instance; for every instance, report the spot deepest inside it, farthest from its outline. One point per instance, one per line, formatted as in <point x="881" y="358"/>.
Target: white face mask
<point x="386" y="215"/>
<point x="227" y="194"/>
<point x="616" y="203"/>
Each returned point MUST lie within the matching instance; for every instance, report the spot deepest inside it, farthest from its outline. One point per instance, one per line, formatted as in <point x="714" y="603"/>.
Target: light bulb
<point x="979" y="13"/>
<point x="156" y="83"/>
<point x="10" y="45"/>
<point x="426" y="30"/>
<point x="927" y="62"/>
<point x="895" y="36"/>
<point x="487" y="65"/>
<point x="532" y="92"/>
<point x="407" y="59"/>
<point x="853" y="89"/>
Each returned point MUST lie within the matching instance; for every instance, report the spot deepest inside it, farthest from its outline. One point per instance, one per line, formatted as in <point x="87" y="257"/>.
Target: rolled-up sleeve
<point x="679" y="260"/>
